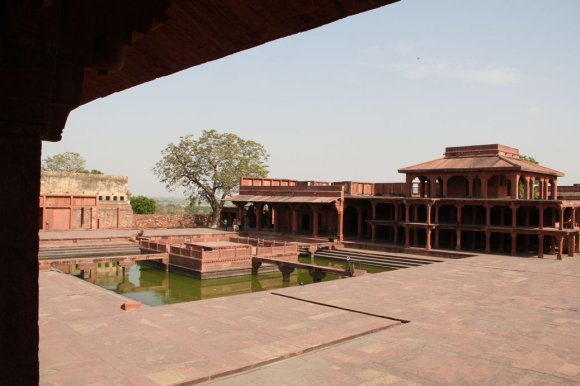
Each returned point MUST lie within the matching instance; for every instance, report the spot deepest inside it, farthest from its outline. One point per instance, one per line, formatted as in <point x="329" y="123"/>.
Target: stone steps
<point x="88" y="250"/>
<point x="373" y="259"/>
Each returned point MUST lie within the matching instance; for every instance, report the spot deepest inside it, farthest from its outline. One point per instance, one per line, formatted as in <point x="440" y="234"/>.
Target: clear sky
<point x="362" y="97"/>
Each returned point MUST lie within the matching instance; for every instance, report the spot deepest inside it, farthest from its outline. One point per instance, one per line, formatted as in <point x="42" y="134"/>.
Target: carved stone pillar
<point x="484" y="179"/>
<point x="276" y="217"/>
<point x="428" y="241"/>
<point x="514" y="250"/>
<point x="339" y="221"/>
<point x="314" y="213"/>
<point x="294" y="219"/>
<point x="19" y="192"/>
<point x="488" y="214"/>
<point x="487" y="241"/>
<point x="458" y="239"/>
<point x="540" y="246"/>
<point x="470" y="180"/>
<point x="459" y="209"/>
<point x="258" y="211"/>
<point x="560" y="244"/>
<point x="516" y="187"/>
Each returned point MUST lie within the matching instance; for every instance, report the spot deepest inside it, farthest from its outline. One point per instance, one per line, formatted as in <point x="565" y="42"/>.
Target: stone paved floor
<point x="480" y="320"/>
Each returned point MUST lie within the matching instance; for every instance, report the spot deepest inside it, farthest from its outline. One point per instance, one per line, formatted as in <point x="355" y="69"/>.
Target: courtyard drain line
<point x="402" y="321"/>
<point x="316" y="347"/>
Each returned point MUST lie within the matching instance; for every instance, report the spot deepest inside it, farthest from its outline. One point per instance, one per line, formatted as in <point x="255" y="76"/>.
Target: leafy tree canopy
<point x="67" y="162"/>
<point x="209" y="167"/>
<point x="143" y="205"/>
<point x="529" y="159"/>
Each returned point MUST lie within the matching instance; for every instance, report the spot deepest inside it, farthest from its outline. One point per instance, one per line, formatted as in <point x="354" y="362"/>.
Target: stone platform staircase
<point x="384" y="260"/>
<point x="88" y="250"/>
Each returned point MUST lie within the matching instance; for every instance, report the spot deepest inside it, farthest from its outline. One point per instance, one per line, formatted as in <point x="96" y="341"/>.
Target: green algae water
<point x="154" y="286"/>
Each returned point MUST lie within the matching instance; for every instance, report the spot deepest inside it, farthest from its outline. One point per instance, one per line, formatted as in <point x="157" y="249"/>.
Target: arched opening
<point x="552" y="190"/>
<point x="415" y="186"/>
<point x="568" y="221"/>
<point x="447" y="239"/>
<point x="536" y="192"/>
<point x="421" y="213"/>
<point x="458" y="186"/>
<point x="385" y="211"/>
<point x="522" y="188"/>
<point x="381" y="233"/>
<point x="477" y="191"/>
<point x="498" y="187"/>
<point x="438" y="187"/>
<point x="550" y="217"/>
<point x="447" y="214"/>
<point x="473" y="214"/>
<point x="501" y="215"/>
<point x="472" y="240"/>
<point x="350" y="221"/>
<point x="527" y="216"/>
<point x="250" y="216"/>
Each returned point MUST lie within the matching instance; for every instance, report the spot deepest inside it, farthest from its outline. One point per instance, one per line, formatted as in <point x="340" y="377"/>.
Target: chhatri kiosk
<point x="482" y="198"/>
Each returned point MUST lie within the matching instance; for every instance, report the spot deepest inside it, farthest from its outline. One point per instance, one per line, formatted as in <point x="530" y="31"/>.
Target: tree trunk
<point x="215" y="214"/>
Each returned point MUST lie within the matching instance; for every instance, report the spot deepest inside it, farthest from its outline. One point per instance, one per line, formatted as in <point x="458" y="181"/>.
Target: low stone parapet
<point x="166" y="221"/>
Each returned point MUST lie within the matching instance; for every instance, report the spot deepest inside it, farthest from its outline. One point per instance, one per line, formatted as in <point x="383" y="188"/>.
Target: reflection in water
<point x="154" y="286"/>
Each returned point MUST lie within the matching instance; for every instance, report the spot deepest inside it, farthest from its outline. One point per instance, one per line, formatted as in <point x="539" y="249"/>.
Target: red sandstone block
<point x="131" y="306"/>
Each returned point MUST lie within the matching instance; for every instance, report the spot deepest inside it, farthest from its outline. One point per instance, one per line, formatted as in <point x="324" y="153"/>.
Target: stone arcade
<point x="482" y="198"/>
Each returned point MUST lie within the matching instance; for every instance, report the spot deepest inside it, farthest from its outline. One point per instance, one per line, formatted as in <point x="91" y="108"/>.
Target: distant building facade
<point x="482" y="198"/>
<point x="84" y="201"/>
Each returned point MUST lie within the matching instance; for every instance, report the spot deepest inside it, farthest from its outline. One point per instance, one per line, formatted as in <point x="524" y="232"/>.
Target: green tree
<point x="66" y="162"/>
<point x="521" y="187"/>
<point x="529" y="159"/>
<point x="143" y="205"/>
<point x="209" y="168"/>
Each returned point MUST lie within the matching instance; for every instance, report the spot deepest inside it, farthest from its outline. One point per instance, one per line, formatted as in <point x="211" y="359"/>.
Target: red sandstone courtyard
<point x="480" y="320"/>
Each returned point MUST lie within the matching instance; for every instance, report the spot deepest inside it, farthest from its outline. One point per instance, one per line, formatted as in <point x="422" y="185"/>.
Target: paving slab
<point x="480" y="320"/>
<point x="485" y="320"/>
<point x="83" y="329"/>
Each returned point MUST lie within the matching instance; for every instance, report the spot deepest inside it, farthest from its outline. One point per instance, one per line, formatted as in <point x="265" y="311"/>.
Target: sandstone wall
<point x="151" y="221"/>
<point x="59" y="183"/>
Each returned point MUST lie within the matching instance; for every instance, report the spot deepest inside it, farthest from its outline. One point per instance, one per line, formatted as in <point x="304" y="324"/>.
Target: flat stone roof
<point x="216" y="244"/>
<point x="480" y="320"/>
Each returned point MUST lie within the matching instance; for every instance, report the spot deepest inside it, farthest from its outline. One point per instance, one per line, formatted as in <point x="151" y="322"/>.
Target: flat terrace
<point x="480" y="320"/>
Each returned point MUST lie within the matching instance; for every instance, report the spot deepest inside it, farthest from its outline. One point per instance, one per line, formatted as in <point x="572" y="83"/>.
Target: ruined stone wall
<point x="149" y="221"/>
<point x="109" y="217"/>
<point x="59" y="183"/>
